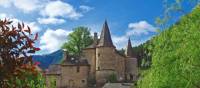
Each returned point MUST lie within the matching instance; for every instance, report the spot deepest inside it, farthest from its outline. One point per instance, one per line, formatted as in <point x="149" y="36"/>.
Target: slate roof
<point x="129" y="49"/>
<point x="72" y="60"/>
<point x="54" y="69"/>
<point x="105" y="37"/>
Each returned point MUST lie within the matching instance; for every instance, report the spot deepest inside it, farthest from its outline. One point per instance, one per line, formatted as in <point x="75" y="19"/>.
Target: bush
<point x="112" y="78"/>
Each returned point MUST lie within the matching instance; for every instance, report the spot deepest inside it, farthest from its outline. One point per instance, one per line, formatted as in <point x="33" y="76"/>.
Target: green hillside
<point x="176" y="55"/>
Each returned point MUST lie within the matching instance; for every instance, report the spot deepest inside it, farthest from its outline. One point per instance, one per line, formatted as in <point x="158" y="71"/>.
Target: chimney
<point x="95" y="38"/>
<point x="65" y="54"/>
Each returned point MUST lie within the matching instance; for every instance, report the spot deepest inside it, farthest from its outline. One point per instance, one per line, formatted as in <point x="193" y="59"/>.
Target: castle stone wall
<point x="74" y="78"/>
<point x="105" y="58"/>
<point x="89" y="54"/>
<point x="108" y="61"/>
<point x="131" y="68"/>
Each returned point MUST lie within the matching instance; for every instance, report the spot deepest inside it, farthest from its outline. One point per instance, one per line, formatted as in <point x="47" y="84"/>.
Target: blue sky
<point x="55" y="19"/>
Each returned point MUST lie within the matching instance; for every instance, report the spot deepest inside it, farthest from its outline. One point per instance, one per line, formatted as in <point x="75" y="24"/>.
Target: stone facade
<point x="98" y="61"/>
<point x="72" y="73"/>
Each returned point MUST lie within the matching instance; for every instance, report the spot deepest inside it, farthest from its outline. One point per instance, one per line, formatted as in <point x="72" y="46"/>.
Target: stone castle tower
<point x="105" y="60"/>
<point x="131" y="69"/>
<point x="99" y="61"/>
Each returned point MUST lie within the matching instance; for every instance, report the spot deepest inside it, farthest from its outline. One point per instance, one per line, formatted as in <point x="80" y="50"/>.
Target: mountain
<point x="48" y="59"/>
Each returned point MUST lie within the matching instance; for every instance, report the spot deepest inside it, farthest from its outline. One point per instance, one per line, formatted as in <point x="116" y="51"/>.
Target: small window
<point x="78" y="69"/>
<point x="98" y="68"/>
<point x="83" y="81"/>
<point x="98" y="54"/>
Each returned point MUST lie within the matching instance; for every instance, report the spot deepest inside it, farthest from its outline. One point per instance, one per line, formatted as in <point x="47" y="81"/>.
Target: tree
<point x="78" y="40"/>
<point x="175" y="55"/>
<point x="16" y="47"/>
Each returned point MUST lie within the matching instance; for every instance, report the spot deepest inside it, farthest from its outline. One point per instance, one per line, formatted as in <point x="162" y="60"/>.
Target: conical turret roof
<point x="105" y="38"/>
<point x="129" y="50"/>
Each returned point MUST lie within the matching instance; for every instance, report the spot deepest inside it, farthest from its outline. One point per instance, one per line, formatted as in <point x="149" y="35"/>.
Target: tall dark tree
<point x="80" y="38"/>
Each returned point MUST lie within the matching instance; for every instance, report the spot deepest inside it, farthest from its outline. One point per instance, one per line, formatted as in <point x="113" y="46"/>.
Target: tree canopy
<point x="175" y="55"/>
<point x="77" y="40"/>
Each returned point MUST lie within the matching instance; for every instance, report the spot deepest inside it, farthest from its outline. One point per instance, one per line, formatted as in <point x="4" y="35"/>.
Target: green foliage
<point x="29" y="81"/>
<point x="78" y="40"/>
<point x="176" y="56"/>
<point x="121" y="52"/>
<point x="141" y="52"/>
<point x="112" y="78"/>
<point x="52" y="82"/>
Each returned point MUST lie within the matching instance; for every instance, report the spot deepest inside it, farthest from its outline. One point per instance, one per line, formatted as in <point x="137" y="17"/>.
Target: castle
<point x="98" y="62"/>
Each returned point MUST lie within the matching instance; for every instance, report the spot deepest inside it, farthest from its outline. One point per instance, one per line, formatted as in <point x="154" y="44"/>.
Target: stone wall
<point x="89" y="54"/>
<point x="120" y="67"/>
<point x="131" y="69"/>
<point x="105" y="58"/>
<point x="108" y="60"/>
<point x="74" y="76"/>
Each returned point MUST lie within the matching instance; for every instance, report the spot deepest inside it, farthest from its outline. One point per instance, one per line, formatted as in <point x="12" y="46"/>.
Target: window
<point x="83" y="81"/>
<point x="98" y="54"/>
<point x="98" y="68"/>
<point x="78" y="69"/>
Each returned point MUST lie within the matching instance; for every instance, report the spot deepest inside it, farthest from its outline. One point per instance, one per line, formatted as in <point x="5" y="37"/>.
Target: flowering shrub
<point x="16" y="67"/>
<point x="27" y="76"/>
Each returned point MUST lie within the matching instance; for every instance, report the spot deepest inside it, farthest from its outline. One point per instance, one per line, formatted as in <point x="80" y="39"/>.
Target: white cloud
<point x="5" y="3"/>
<point x="52" y="40"/>
<point x="120" y="41"/>
<point x="85" y="8"/>
<point x="141" y="27"/>
<point x="24" y="5"/>
<point x="59" y="8"/>
<point x="4" y="15"/>
<point x="136" y="29"/>
<point x="27" y="5"/>
<point x="33" y="25"/>
<point x="50" y="20"/>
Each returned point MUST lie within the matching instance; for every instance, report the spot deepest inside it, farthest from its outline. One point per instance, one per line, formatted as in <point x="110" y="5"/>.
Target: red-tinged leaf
<point x="9" y="22"/>
<point x="19" y="26"/>
<point x="29" y="30"/>
<point x="36" y="63"/>
<point x="30" y="43"/>
<point x="36" y="36"/>
<point x="37" y="49"/>
<point x="31" y="51"/>
<point x="13" y="28"/>
<point x="26" y="31"/>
